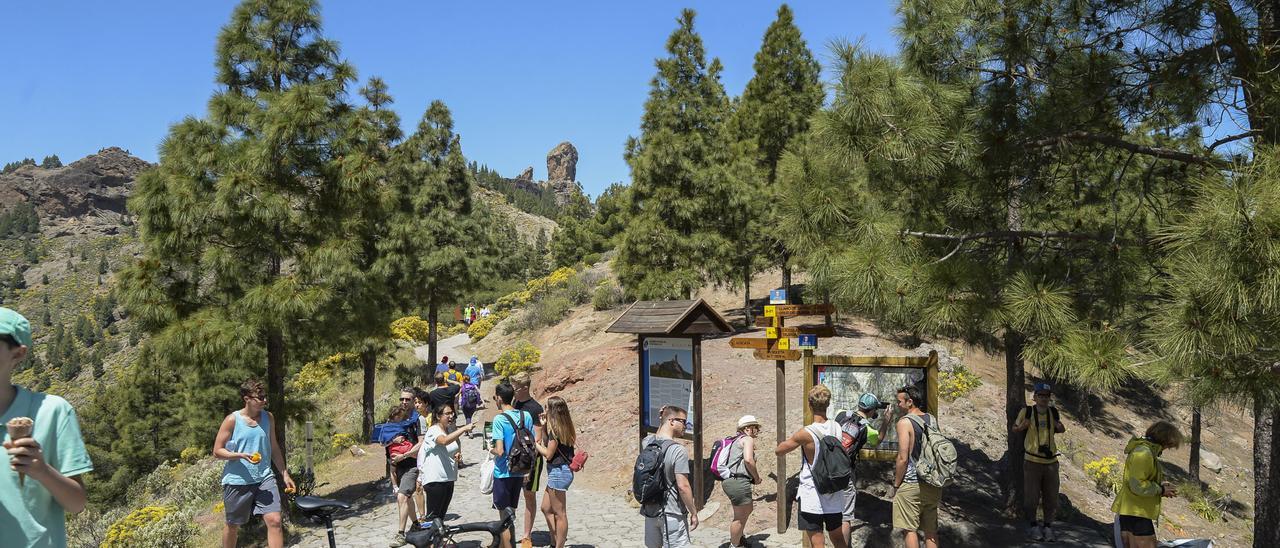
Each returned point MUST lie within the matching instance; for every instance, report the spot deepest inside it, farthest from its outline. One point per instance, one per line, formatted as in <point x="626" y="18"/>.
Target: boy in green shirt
<point x="32" y="513"/>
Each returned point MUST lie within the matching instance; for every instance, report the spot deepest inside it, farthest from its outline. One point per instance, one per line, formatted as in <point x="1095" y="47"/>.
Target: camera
<point x="1044" y="450"/>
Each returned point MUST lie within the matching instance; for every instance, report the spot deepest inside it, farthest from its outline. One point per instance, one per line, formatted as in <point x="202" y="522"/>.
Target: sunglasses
<point x="406" y="399"/>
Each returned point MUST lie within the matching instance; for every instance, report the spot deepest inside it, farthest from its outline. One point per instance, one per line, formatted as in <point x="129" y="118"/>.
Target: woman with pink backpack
<point x="740" y="474"/>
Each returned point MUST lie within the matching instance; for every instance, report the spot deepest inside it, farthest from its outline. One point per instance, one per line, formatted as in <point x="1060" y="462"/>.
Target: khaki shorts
<point x="915" y="507"/>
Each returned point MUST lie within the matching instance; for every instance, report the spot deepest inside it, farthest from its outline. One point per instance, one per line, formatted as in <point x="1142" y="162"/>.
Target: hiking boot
<point x="1048" y="535"/>
<point x="398" y="540"/>
<point x="1034" y="533"/>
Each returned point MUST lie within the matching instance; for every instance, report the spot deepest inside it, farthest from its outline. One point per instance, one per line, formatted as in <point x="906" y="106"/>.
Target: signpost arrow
<point x="793" y="310"/>
<point x="762" y="321"/>
<point x="816" y="330"/>
<point x="777" y="354"/>
<point x="749" y="342"/>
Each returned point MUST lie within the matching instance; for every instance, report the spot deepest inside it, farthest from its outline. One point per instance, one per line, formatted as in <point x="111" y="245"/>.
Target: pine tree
<point x="539" y="265"/>
<point x="225" y="293"/>
<point x="575" y="237"/>
<point x="680" y="168"/>
<point x="611" y="208"/>
<point x="51" y="162"/>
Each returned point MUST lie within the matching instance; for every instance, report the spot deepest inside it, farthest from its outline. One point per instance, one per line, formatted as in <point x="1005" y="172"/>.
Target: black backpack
<point x="649" y="480"/>
<point x="520" y="458"/>
<point x="832" y="470"/>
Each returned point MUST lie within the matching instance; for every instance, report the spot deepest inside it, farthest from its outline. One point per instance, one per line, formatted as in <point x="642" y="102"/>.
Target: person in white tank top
<point x="816" y="511"/>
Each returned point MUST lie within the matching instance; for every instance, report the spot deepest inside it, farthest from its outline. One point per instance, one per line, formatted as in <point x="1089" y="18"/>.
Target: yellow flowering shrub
<point x="314" y="375"/>
<point x="559" y="278"/>
<point x="410" y="328"/>
<point x="481" y="328"/>
<point x="957" y="383"/>
<point x="126" y="531"/>
<point x="1106" y="473"/>
<point x="191" y="454"/>
<point x="523" y="356"/>
<point x="343" y="440"/>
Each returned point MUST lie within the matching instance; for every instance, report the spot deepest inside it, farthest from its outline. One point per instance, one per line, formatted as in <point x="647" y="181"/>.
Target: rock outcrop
<point x="526" y="175"/>
<point x="562" y="163"/>
<point x="91" y="191"/>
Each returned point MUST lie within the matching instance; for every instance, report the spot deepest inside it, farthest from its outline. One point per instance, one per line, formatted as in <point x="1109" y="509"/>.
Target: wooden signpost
<point x="776" y="345"/>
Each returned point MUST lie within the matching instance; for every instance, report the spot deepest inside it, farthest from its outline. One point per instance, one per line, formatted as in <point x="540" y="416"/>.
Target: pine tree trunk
<point x="1015" y="401"/>
<point x="275" y="385"/>
<point x="1193" y="466"/>
<point x="786" y="278"/>
<point x="826" y="299"/>
<point x="431" y="344"/>
<point x="368" y="359"/>
<point x="1266" y="472"/>
<point x="746" y="296"/>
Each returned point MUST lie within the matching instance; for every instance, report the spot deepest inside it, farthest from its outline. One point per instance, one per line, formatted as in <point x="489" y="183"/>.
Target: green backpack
<point x="937" y="463"/>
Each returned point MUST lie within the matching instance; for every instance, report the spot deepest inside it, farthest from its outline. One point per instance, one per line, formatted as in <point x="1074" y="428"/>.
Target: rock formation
<point x="526" y="175"/>
<point x="562" y="163"/>
<point x="91" y="191"/>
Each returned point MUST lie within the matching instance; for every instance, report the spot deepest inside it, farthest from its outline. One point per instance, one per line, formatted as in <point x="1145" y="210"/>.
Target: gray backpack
<point x="937" y="464"/>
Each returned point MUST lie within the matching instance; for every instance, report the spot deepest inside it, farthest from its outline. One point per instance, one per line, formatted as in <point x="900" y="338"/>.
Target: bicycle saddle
<point x="313" y="504"/>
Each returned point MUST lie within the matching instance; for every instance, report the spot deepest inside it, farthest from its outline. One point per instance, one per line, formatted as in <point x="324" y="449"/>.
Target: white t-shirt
<point x="435" y="461"/>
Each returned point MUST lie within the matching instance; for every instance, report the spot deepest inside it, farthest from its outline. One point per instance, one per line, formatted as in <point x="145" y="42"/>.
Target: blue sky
<point x="520" y="77"/>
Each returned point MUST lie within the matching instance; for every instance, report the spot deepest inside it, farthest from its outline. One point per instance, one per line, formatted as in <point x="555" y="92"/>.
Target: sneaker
<point x="1048" y="534"/>
<point x="398" y="540"/>
<point x="1034" y="533"/>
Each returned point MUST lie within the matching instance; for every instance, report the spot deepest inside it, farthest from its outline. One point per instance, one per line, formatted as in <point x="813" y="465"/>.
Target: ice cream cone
<point x="19" y="428"/>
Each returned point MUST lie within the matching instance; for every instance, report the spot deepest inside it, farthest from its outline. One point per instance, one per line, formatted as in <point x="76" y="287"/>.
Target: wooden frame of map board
<point x="881" y="370"/>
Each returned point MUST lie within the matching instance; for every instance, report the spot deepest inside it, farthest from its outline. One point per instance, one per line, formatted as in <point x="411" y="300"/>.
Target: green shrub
<point x="1206" y="503"/>
<point x="524" y="356"/>
<point x="544" y="312"/>
<point x="152" y="527"/>
<point x="607" y="295"/>
<point x="481" y="328"/>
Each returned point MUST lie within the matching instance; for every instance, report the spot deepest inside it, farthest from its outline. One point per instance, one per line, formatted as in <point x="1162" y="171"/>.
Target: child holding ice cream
<point x="45" y="451"/>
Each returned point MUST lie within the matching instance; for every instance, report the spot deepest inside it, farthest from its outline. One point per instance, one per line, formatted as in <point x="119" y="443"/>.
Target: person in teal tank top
<point x="249" y="446"/>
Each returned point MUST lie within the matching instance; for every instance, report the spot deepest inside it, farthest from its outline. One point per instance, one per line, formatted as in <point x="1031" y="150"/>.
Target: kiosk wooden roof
<point x="694" y="317"/>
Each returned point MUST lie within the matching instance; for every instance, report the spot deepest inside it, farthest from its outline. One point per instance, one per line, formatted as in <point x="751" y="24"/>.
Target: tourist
<point x="469" y="398"/>
<point x="484" y="312"/>
<point x="742" y="475"/>
<point x="248" y="443"/>
<point x="1040" y="422"/>
<point x="915" y="503"/>
<point x="445" y="393"/>
<point x="50" y="460"/>
<point x="533" y="481"/>
<point x="452" y="375"/>
<point x="506" y="485"/>
<point x="558" y="451"/>
<point x="1143" y="485"/>
<point x="816" y="511"/>
<point x="404" y="474"/>
<point x="438" y="470"/>
<point x="859" y="432"/>
<point x="475" y="370"/>
<point x="443" y="365"/>
<point x="668" y="524"/>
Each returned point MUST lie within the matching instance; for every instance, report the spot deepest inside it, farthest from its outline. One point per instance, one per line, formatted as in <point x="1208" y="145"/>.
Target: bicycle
<point x="321" y="510"/>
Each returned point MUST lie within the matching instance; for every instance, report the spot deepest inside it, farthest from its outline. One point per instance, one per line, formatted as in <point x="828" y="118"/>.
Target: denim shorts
<point x="559" y="478"/>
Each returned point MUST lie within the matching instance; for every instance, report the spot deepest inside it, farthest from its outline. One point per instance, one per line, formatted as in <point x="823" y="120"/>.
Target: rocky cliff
<point x="88" y="195"/>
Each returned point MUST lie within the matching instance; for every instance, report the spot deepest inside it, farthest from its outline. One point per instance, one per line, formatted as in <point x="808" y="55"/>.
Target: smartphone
<point x="488" y="432"/>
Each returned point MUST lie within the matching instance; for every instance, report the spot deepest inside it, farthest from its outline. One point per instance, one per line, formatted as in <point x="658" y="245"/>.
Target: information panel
<point x="848" y="377"/>
<point x="668" y="378"/>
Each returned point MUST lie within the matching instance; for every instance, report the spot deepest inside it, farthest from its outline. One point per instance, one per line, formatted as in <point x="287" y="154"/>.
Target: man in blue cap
<point x="858" y="432"/>
<point x="1040" y="460"/>
<point x="42" y="481"/>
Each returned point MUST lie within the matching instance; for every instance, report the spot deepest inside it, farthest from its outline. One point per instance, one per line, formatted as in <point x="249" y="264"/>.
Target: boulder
<point x="562" y="163"/>
<point x="1210" y="461"/>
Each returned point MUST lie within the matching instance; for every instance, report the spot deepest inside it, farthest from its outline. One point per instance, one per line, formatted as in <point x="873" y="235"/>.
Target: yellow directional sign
<point x="777" y="354"/>
<point x="771" y="311"/>
<point x="771" y="333"/>
<point x="784" y="344"/>
<point x="762" y="321"/>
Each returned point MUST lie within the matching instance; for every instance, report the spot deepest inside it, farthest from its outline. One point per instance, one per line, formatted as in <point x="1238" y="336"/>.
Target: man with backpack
<point x="513" y="447"/>
<point x="825" y="473"/>
<point x="858" y="432"/>
<point x="915" y="502"/>
<point x="1040" y="460"/>
<point x="533" y="480"/>
<point x="660" y="483"/>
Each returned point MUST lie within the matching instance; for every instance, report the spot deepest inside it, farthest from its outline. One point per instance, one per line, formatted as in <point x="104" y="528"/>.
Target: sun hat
<point x="13" y="324"/>
<point x="1042" y="387"/>
<point x="747" y="420"/>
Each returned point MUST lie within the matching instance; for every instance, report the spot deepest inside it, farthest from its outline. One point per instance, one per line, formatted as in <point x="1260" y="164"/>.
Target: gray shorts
<point x="256" y="499"/>
<point x="851" y="495"/>
<point x="667" y="531"/>
<point x="408" y="481"/>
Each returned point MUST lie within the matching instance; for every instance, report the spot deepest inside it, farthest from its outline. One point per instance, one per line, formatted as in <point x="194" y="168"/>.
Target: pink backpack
<point x="720" y="456"/>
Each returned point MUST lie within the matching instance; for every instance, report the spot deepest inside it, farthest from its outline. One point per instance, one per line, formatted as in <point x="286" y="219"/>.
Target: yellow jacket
<point x="1140" y="491"/>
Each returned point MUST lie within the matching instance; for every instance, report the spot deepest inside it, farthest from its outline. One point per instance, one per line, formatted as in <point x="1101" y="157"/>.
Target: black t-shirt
<point x="532" y="407"/>
<point x="442" y="395"/>
<point x="564" y="455"/>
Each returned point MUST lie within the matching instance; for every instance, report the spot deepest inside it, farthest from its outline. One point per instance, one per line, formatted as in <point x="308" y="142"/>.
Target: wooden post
<point x="309" y="426"/>
<point x="780" y="407"/>
<point x="698" y="474"/>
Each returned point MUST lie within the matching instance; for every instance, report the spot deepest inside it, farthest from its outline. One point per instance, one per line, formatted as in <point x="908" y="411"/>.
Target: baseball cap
<point x="1042" y="387"/>
<point x="16" y="326"/>
<point x="869" y="401"/>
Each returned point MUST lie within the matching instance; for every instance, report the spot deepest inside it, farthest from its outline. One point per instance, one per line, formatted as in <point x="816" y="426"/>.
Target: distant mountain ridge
<point x="91" y="192"/>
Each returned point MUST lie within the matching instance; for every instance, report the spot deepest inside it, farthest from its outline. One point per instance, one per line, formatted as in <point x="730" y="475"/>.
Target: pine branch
<point x="1116" y="142"/>
<point x="1237" y="137"/>
<point x="1019" y="235"/>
